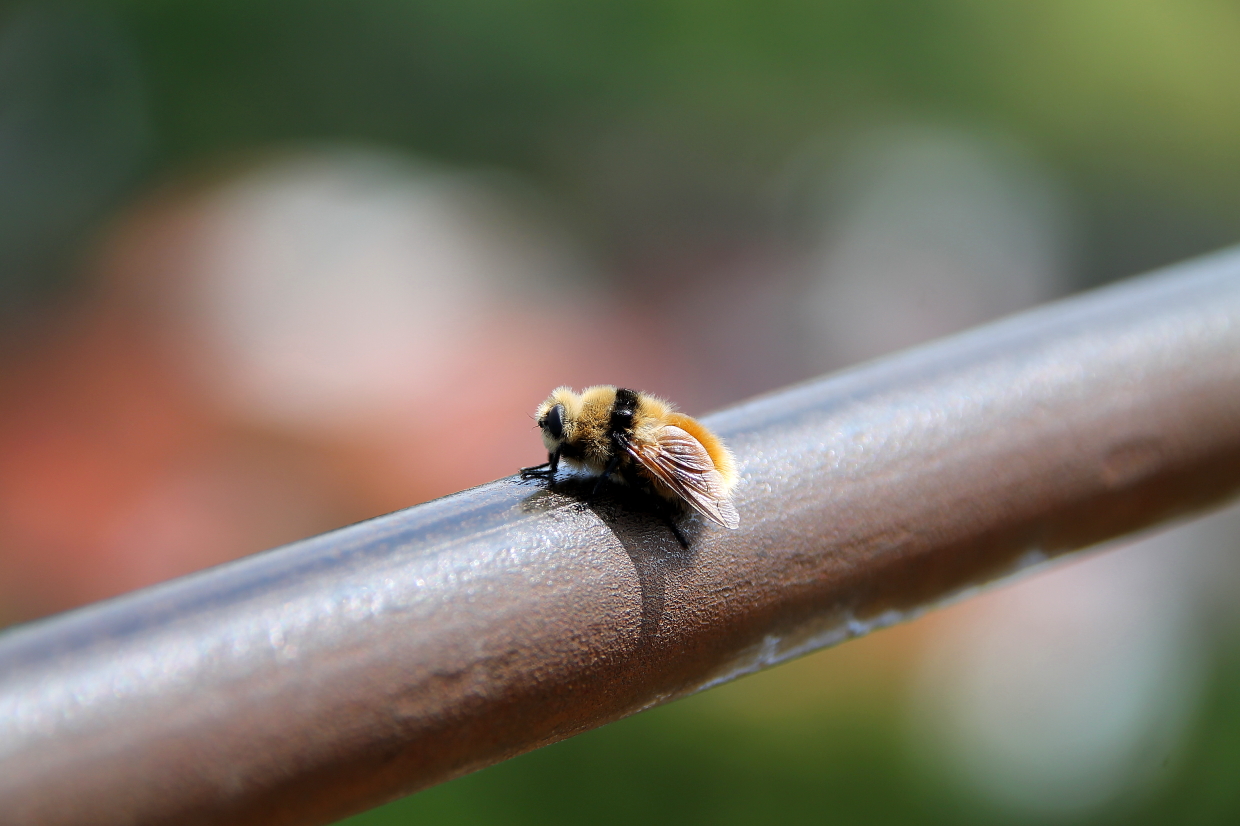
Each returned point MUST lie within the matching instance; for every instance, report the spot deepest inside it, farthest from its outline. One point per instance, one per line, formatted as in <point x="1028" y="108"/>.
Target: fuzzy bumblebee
<point x="642" y="441"/>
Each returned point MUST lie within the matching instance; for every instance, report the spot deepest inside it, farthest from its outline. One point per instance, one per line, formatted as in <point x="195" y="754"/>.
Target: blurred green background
<point x="688" y="149"/>
<point x="662" y="123"/>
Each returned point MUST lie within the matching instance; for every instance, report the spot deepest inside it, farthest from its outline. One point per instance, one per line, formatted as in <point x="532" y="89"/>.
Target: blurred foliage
<point x="699" y="761"/>
<point x="696" y="104"/>
<point x="480" y="80"/>
<point x="655" y="122"/>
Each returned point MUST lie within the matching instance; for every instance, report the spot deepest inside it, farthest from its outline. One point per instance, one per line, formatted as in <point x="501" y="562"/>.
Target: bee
<point x="639" y="440"/>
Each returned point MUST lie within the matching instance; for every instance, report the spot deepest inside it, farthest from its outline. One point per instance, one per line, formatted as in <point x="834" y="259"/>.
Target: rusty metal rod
<point x="315" y="680"/>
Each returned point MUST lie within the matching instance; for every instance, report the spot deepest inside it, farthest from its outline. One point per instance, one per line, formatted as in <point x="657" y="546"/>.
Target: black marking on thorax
<point x="622" y="412"/>
<point x="620" y="432"/>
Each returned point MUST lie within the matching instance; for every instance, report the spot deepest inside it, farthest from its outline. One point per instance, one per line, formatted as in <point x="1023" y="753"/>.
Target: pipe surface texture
<point x="313" y="681"/>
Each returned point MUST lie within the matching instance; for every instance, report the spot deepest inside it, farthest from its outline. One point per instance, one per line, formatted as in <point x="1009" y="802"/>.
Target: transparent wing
<point x="680" y="462"/>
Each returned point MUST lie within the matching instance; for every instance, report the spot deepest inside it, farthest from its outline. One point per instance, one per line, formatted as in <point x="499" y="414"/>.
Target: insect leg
<point x="546" y="469"/>
<point x="680" y="537"/>
<point x="612" y="464"/>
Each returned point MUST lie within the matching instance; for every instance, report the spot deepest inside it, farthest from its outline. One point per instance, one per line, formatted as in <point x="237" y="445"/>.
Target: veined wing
<point x="680" y="462"/>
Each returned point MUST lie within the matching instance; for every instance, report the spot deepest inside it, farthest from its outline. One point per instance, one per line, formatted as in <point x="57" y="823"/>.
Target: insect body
<point x="642" y="441"/>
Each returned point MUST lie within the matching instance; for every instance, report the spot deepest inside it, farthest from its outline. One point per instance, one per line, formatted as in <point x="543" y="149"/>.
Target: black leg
<point x="680" y="537"/>
<point x="546" y="470"/>
<point x="612" y="464"/>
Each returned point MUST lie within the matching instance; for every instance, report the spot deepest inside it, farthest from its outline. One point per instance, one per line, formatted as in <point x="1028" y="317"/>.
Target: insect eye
<point x="553" y="422"/>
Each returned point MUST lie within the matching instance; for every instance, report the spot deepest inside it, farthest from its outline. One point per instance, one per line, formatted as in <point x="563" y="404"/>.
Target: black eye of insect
<point x="553" y="422"/>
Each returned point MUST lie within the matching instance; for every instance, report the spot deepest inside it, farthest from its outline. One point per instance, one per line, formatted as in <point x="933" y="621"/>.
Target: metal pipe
<point x="303" y="684"/>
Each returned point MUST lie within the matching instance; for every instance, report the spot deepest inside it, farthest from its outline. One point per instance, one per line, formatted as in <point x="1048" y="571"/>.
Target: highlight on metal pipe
<point x="313" y="681"/>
